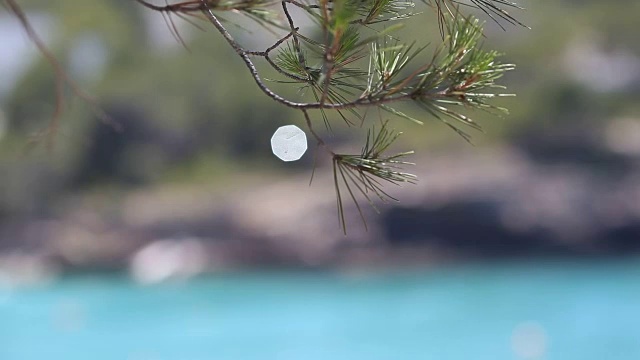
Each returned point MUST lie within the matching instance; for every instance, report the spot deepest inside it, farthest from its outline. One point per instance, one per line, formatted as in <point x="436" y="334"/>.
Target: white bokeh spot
<point x="289" y="143"/>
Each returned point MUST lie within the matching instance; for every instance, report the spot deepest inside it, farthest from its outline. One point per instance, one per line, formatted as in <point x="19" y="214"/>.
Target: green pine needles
<point x="368" y="171"/>
<point x="353" y="61"/>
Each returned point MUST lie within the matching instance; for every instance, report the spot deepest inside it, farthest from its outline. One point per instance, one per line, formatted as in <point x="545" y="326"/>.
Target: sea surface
<point x="535" y="310"/>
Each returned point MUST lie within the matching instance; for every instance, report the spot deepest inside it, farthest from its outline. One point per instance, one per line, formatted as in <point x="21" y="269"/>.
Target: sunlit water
<point x="534" y="311"/>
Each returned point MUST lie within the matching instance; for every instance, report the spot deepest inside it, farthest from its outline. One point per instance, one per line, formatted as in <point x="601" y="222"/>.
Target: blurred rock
<point x="588" y="62"/>
<point x="18" y="267"/>
<point x="169" y="259"/>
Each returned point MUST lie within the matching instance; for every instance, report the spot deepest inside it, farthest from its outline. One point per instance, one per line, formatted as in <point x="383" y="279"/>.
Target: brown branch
<point x="244" y="55"/>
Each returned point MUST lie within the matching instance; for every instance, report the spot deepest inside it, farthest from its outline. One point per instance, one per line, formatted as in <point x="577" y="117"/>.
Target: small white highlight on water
<point x="289" y="143"/>
<point x="529" y="341"/>
<point x="6" y="288"/>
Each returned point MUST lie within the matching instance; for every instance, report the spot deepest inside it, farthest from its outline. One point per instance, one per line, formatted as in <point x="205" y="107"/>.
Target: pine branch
<point x="351" y="63"/>
<point x="459" y="74"/>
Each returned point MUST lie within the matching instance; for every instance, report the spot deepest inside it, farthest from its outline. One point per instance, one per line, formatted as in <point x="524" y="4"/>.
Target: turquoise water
<point x="511" y="311"/>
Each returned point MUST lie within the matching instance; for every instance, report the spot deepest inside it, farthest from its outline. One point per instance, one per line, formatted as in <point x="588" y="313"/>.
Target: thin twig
<point x="294" y="31"/>
<point x="62" y="77"/>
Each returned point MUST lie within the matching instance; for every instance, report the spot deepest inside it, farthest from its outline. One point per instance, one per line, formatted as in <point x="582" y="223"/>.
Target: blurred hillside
<point x="190" y="184"/>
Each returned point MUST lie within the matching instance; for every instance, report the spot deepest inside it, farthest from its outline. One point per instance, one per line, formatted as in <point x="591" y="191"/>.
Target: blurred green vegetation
<point x="195" y="115"/>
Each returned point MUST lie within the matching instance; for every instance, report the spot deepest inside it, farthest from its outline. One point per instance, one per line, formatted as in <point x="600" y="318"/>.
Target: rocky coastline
<point x="506" y="202"/>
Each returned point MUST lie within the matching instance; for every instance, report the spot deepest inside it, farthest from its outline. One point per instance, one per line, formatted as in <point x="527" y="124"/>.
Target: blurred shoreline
<point x="499" y="203"/>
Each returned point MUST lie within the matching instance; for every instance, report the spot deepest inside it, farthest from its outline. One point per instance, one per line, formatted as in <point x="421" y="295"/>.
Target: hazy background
<point x="183" y="237"/>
